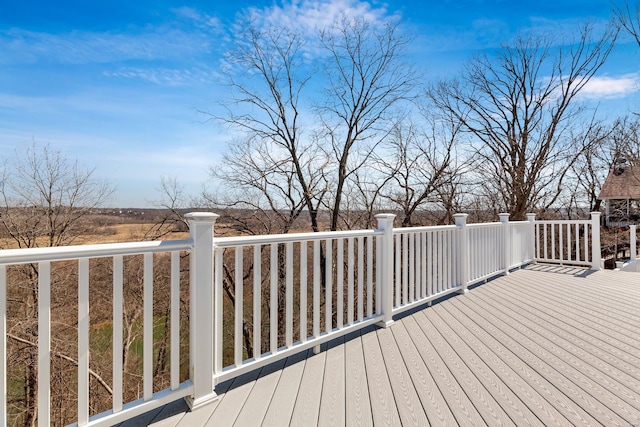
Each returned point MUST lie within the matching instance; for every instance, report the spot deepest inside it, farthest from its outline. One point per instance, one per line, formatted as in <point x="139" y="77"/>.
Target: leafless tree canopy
<point x="628" y="16"/>
<point x="521" y="108"/>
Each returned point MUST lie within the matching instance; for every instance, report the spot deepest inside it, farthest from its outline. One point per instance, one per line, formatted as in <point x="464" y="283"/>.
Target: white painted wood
<point x="340" y="285"/>
<point x="217" y="300"/>
<point x="3" y="345"/>
<point x="405" y="268"/>
<point x="257" y="301"/>
<point x="398" y="270"/>
<point x="316" y="289"/>
<point x="83" y="341"/>
<point x="66" y="253"/>
<point x="412" y="267"/>
<point x="328" y="296"/>
<point x="379" y="260"/>
<point x="44" y="343"/>
<point x="118" y="369"/>
<point x="238" y="308"/>
<point x="175" y="320"/>
<point x="463" y="250"/>
<point x="430" y="290"/>
<point x="289" y="295"/>
<point x="350" y="281"/>
<point x="273" y="299"/>
<point x="361" y="275"/>
<point x="595" y="240"/>
<point x="632" y="242"/>
<point x="147" y="328"/>
<point x="385" y="223"/>
<point x="303" y="292"/>
<point x="205" y="296"/>
<point x="369" y="276"/>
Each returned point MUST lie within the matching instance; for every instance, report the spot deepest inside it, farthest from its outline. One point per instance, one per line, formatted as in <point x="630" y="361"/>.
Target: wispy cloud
<point x="21" y="46"/>
<point x="608" y="87"/>
<point x="173" y="77"/>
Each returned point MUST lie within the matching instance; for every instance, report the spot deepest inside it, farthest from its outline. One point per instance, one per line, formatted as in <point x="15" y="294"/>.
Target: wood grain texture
<point x="357" y="404"/>
<point x="307" y="407"/>
<point x="383" y="405"/>
<point x="332" y="403"/>
<point x="282" y="403"/>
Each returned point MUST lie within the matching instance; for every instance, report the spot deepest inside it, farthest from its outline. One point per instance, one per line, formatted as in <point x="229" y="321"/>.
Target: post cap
<point x="202" y="216"/>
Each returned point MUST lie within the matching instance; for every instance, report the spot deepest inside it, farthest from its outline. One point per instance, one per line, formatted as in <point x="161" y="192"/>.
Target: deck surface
<point x="542" y="346"/>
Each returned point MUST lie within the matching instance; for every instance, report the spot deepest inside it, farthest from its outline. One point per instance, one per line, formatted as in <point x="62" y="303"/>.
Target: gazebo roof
<point x="622" y="183"/>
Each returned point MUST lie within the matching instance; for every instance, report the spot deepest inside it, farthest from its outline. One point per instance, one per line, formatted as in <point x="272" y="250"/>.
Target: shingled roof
<point x="622" y="185"/>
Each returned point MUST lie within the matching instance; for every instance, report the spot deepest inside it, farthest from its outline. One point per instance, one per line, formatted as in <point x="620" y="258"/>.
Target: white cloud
<point x="312" y="15"/>
<point x="607" y="87"/>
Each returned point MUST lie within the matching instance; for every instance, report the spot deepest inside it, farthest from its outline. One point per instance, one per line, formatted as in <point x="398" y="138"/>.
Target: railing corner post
<point x="632" y="242"/>
<point x="463" y="251"/>
<point x="201" y="295"/>
<point x="531" y="217"/>
<point x="385" y="263"/>
<point x="506" y="241"/>
<point x="595" y="241"/>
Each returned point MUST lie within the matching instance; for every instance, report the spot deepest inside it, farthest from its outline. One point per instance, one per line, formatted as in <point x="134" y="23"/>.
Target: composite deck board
<point x="407" y="401"/>
<point x="582" y="387"/>
<point x="433" y="402"/>
<point x="332" y="402"/>
<point x="357" y="403"/>
<point x="533" y="389"/>
<point x="585" y="306"/>
<point x="592" y="324"/>
<point x="540" y="346"/>
<point x="282" y="403"/>
<point x="532" y="370"/>
<point x="231" y="402"/>
<point x="600" y="337"/>
<point x="257" y="403"/>
<point x="598" y="378"/>
<point x="517" y="411"/>
<point x="459" y="403"/>
<point x="383" y="406"/>
<point x="307" y="406"/>
<point x="599" y="349"/>
<point x="482" y="399"/>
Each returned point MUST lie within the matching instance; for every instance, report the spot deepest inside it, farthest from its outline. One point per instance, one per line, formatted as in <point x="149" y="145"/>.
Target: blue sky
<point x="118" y="84"/>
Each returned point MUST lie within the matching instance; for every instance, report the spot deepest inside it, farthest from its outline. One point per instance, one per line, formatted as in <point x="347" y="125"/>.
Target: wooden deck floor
<point x="543" y="346"/>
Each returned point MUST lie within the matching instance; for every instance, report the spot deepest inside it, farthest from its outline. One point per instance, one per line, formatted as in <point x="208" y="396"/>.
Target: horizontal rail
<point x="66" y="253"/>
<point x="228" y="242"/>
<point x="406" y="230"/>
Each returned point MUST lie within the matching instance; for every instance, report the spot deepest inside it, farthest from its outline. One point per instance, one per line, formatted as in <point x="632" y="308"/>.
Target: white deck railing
<point x="569" y="242"/>
<point x="254" y="300"/>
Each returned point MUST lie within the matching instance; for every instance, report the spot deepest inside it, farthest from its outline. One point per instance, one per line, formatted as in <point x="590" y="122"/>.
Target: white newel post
<point x="632" y="242"/>
<point x="201" y="335"/>
<point x="385" y="263"/>
<point x="531" y="217"/>
<point x="595" y="240"/>
<point x="506" y="241"/>
<point x="463" y="250"/>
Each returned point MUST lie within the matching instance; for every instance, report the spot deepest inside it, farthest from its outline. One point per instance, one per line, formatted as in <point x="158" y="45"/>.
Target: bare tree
<point x="520" y="107"/>
<point x="421" y="162"/>
<point x="267" y="75"/>
<point x="628" y="16"/>
<point x="46" y="200"/>
<point x="366" y="81"/>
